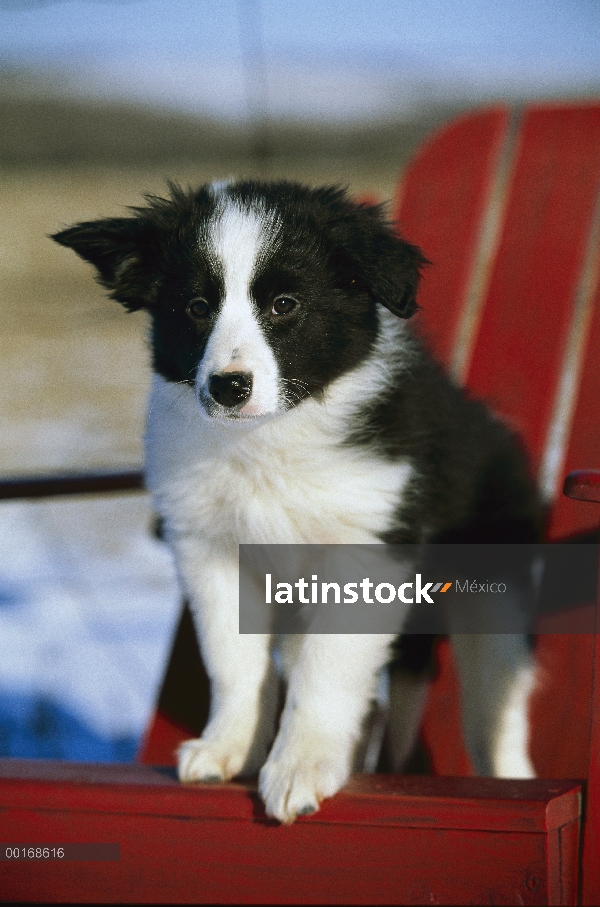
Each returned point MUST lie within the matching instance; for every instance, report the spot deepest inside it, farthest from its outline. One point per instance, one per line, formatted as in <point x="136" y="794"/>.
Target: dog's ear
<point x="124" y="251"/>
<point x="376" y="259"/>
<point x="395" y="274"/>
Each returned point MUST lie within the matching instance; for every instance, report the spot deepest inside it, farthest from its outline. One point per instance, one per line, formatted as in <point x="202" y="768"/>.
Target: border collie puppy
<point x="292" y="404"/>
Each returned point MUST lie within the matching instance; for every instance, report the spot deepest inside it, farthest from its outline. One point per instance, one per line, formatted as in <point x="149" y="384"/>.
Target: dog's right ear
<point x="124" y="251"/>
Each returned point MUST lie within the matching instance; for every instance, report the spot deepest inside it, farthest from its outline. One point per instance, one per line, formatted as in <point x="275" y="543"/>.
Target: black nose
<point x="230" y="388"/>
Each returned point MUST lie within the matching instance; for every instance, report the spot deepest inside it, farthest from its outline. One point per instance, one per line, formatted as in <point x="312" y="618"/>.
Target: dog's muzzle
<point x="230" y="389"/>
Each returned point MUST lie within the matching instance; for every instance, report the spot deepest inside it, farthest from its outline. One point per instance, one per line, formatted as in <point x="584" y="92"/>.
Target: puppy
<point x="292" y="404"/>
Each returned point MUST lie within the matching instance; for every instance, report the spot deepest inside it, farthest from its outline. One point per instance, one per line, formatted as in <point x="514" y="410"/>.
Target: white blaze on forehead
<point x="236" y="238"/>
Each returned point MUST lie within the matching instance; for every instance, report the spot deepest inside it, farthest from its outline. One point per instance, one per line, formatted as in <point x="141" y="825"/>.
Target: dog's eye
<point x="198" y="308"/>
<point x="283" y="305"/>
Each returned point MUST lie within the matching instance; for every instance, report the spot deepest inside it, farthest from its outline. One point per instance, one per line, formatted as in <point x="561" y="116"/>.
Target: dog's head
<point x="260" y="294"/>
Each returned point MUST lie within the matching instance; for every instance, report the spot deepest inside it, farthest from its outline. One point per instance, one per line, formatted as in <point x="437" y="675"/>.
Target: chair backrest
<point x="507" y="207"/>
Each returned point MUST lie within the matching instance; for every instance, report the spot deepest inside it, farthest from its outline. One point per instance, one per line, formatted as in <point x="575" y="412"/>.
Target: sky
<point x="305" y="58"/>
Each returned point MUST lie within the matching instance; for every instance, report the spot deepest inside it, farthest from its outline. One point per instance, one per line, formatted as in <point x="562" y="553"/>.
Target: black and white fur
<point x="291" y="404"/>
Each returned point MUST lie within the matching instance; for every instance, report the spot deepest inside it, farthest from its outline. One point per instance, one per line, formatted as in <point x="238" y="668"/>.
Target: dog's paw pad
<point x="201" y="761"/>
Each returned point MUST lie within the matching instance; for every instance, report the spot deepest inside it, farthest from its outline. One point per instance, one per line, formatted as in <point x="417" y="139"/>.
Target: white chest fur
<point x="287" y="480"/>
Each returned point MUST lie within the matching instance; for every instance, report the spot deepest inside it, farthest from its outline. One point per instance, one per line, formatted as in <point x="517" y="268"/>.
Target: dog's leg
<point x="410" y="675"/>
<point x="497" y="676"/>
<point x="408" y="693"/>
<point x="330" y="690"/>
<point x="242" y="675"/>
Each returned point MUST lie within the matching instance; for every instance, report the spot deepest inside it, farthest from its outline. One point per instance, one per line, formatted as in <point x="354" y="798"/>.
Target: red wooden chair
<point x="507" y="206"/>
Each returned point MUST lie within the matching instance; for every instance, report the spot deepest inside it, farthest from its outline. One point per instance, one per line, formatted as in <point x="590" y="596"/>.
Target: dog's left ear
<point x="376" y="258"/>
<point x="124" y="251"/>
<point x="392" y="269"/>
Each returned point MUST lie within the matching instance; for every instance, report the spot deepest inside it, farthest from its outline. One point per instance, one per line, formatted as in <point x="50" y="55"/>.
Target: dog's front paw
<point x="294" y="782"/>
<point x="203" y="760"/>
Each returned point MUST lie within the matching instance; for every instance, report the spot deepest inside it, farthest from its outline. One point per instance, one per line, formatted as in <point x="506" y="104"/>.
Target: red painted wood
<point x="560" y="705"/>
<point x="440" y="205"/>
<point x="519" y="349"/>
<point x="569" y="517"/>
<point x="591" y="834"/>
<point x="383" y="839"/>
<point x="161" y="741"/>
<point x="557" y="167"/>
<point x="490" y="803"/>
<point x="567" y="857"/>
<point x="584" y="485"/>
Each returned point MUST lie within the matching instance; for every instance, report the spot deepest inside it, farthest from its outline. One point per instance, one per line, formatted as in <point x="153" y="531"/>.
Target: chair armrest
<point x="383" y="839"/>
<point x="583" y="485"/>
<point x="49" y="486"/>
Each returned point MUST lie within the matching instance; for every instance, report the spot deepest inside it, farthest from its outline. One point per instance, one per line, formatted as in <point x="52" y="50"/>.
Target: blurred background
<point x="100" y="102"/>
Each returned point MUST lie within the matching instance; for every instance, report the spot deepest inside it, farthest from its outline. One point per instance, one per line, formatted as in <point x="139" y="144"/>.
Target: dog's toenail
<point x="307" y="810"/>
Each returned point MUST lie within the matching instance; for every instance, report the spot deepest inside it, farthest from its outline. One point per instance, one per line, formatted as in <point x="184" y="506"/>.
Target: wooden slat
<point x="583" y="485"/>
<point x="533" y="805"/>
<point x="440" y="205"/>
<point x="381" y="840"/>
<point x="560" y="705"/>
<point x="163" y="737"/>
<point x="516" y="363"/>
<point x="570" y="517"/>
<point x="591" y="838"/>
<point x="50" y="486"/>
<point x="575" y="372"/>
<point x="519" y="350"/>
